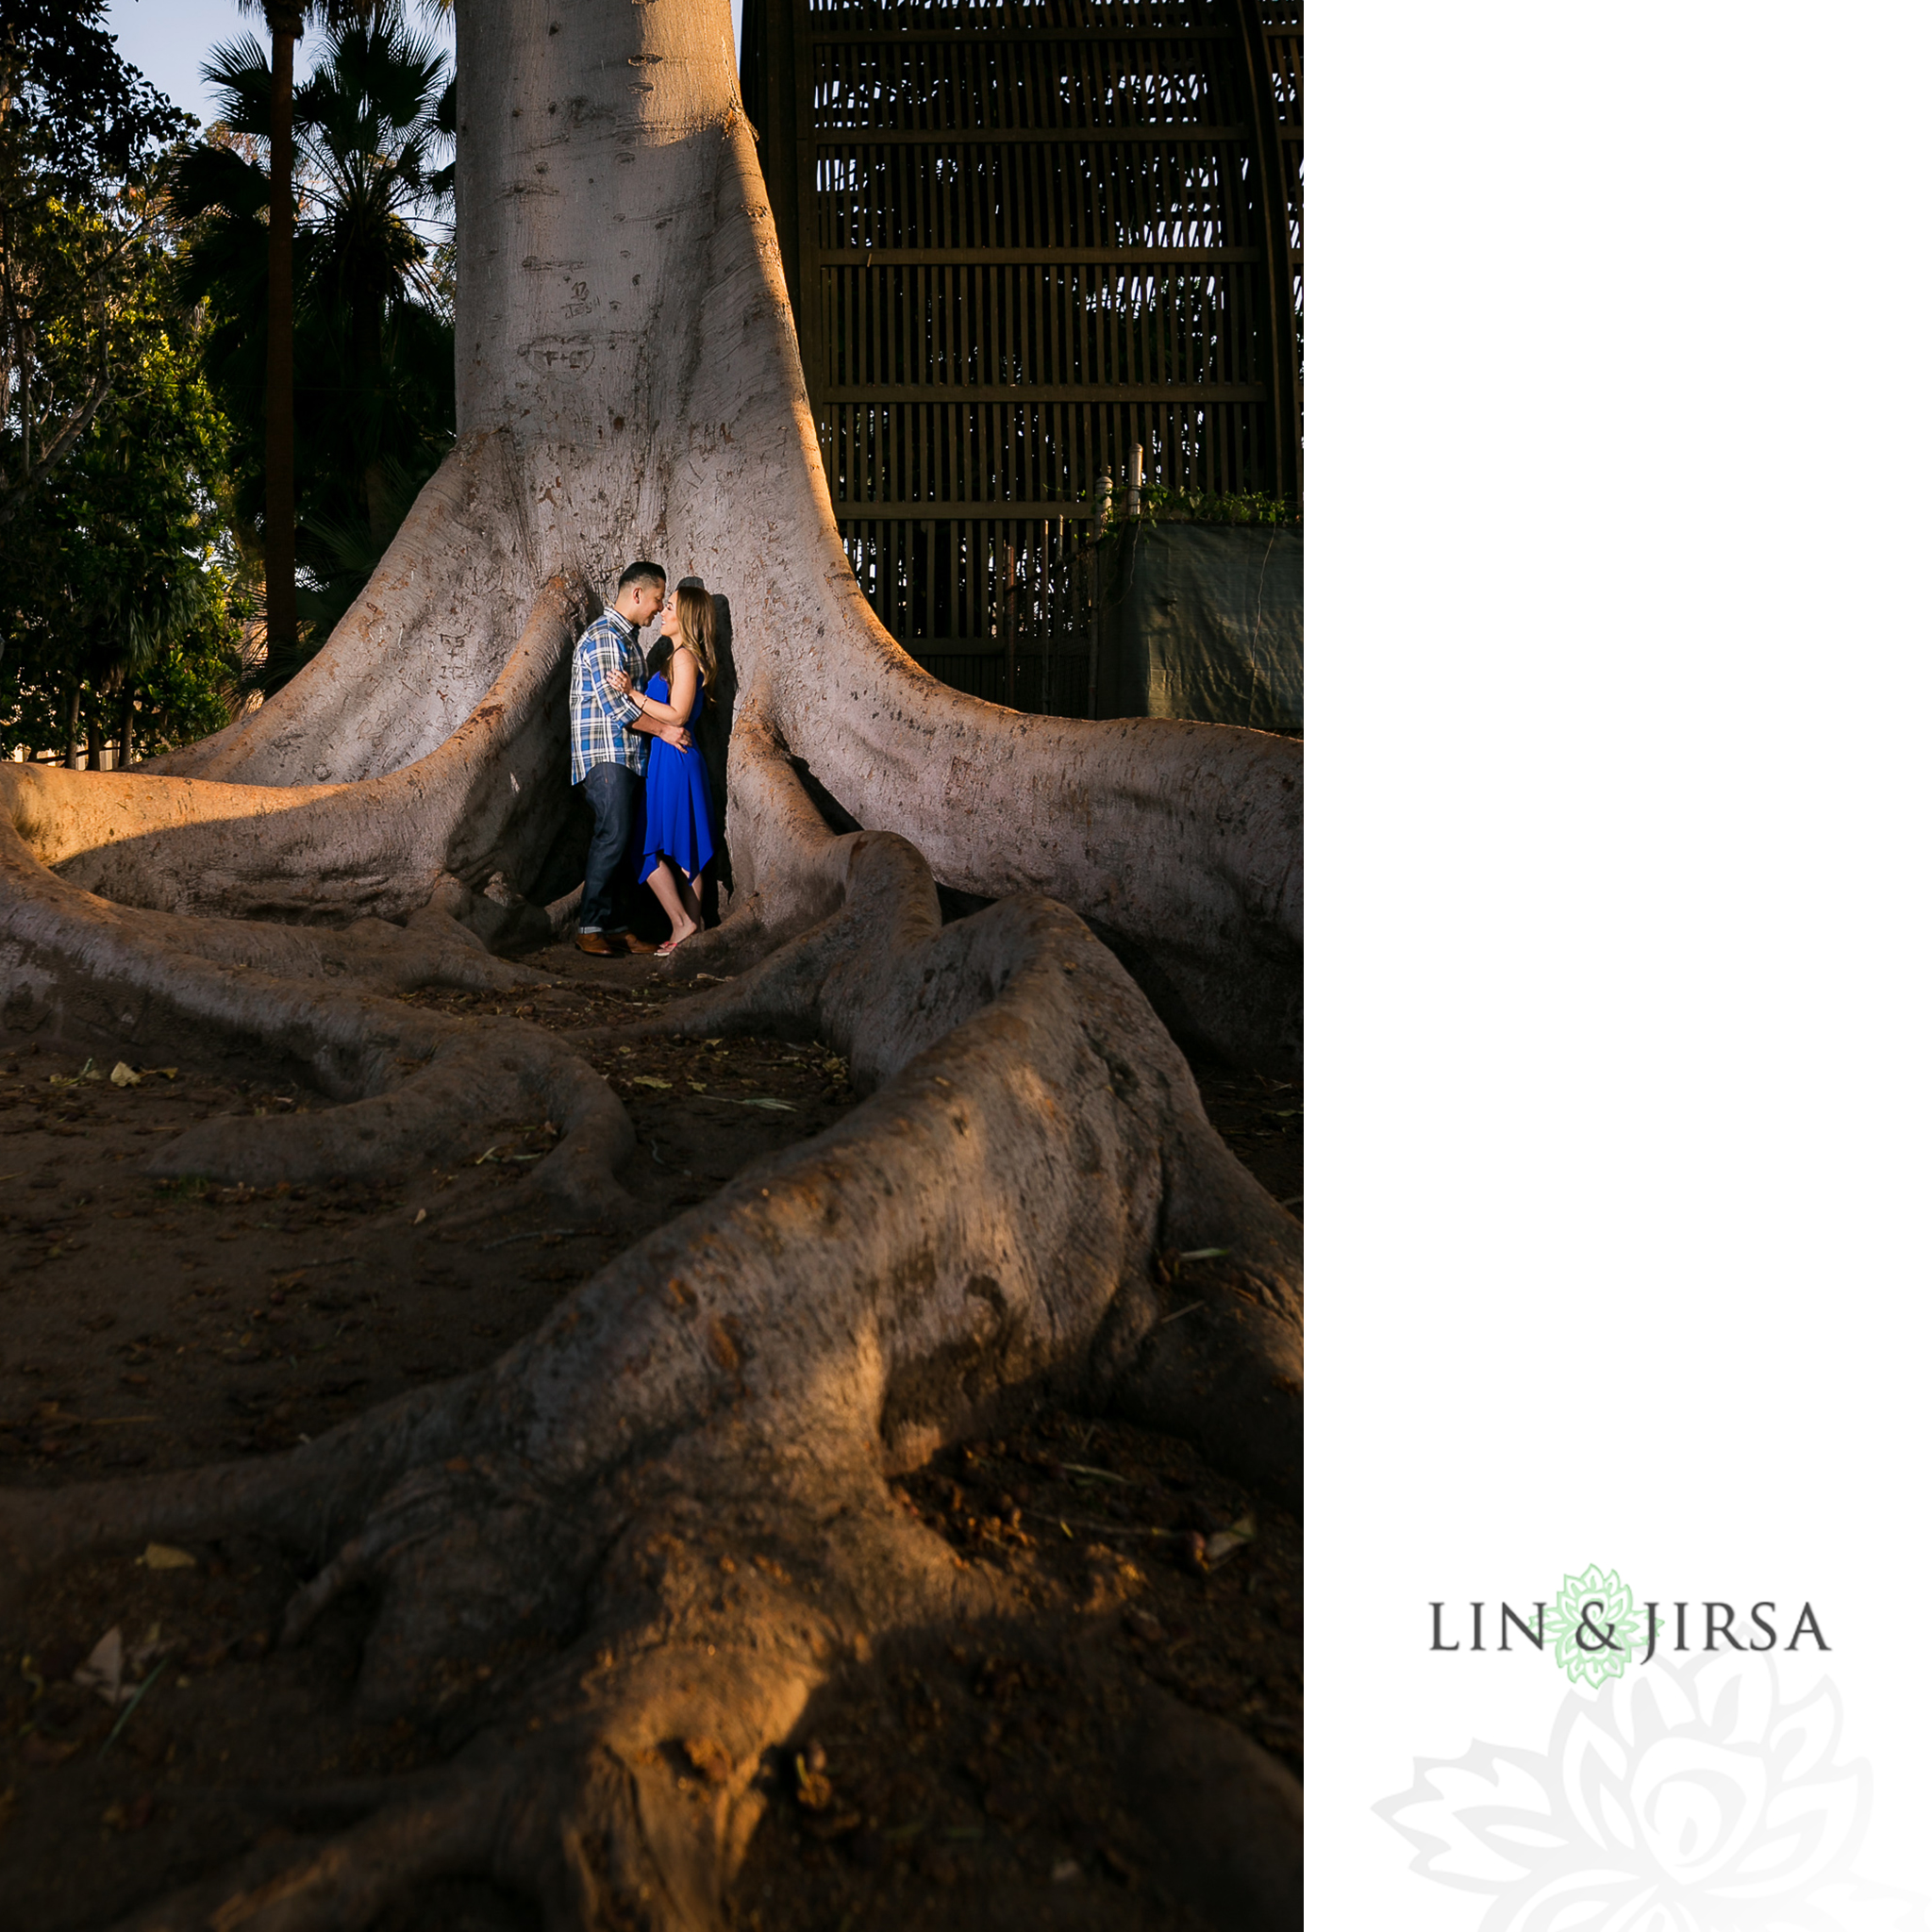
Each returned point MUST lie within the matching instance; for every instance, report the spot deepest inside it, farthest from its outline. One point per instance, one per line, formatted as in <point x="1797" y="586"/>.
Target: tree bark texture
<point x="981" y="1232"/>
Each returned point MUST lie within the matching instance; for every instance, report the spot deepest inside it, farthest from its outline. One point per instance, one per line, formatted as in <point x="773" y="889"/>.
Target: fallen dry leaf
<point x="166" y="1556"/>
<point x="1225" y="1543"/>
<point x="102" y="1671"/>
<point x="124" y="1075"/>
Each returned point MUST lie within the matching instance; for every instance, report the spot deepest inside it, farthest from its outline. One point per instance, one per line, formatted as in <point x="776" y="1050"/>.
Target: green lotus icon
<point x="1598" y="1629"/>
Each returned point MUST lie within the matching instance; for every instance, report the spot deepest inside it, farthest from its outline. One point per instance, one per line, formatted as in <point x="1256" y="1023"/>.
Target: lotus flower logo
<point x="1598" y="1630"/>
<point x="1685" y="1799"/>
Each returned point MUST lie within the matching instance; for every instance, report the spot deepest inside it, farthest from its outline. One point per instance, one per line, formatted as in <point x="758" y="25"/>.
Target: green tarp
<point x="1204" y="621"/>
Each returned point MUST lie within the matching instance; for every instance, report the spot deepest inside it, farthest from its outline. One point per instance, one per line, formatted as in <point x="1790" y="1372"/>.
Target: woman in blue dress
<point x="673" y="842"/>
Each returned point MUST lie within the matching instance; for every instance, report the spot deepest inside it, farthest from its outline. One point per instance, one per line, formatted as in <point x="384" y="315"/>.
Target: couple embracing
<point x="653" y="817"/>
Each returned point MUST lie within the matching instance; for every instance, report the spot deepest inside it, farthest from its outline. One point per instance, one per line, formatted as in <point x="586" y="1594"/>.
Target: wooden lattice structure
<point x="1018" y="237"/>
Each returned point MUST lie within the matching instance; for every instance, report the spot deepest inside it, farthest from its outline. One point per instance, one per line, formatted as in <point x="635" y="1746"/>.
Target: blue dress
<point x="675" y="821"/>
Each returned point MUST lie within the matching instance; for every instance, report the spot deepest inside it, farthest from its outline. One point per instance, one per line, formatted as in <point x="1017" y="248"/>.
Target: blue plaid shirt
<point x="598" y="714"/>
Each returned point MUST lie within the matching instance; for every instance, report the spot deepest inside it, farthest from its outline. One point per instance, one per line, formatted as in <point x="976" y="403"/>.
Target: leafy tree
<point x="122" y="599"/>
<point x="81" y="131"/>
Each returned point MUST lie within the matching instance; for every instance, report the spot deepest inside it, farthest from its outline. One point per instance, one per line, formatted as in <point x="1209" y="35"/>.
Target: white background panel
<point x="1620" y="974"/>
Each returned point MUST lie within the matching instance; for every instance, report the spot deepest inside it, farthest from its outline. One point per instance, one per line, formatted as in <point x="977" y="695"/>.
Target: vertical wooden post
<point x="1093" y="574"/>
<point x="1045" y="612"/>
<point x="1008" y="626"/>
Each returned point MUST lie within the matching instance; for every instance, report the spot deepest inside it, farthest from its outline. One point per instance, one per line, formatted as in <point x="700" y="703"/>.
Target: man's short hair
<point x="638" y="573"/>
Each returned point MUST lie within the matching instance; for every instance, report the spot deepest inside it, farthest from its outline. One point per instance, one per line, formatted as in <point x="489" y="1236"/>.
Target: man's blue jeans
<point x="611" y="792"/>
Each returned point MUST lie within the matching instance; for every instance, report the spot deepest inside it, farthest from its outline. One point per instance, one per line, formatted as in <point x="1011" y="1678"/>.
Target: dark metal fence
<point x="1021" y="237"/>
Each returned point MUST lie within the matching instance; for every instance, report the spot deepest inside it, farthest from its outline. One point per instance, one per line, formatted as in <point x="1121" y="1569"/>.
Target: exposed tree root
<point x="408" y="1081"/>
<point x="880" y="978"/>
<point x="981" y="1231"/>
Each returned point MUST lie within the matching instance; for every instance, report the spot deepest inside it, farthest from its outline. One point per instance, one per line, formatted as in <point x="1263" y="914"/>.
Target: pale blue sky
<point x="168" y="40"/>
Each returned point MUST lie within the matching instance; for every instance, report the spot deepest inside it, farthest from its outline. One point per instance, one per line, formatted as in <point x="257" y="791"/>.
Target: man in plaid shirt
<point x="607" y="757"/>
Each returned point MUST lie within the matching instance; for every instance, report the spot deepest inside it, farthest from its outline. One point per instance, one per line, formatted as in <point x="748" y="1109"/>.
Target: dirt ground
<point x="975" y="1780"/>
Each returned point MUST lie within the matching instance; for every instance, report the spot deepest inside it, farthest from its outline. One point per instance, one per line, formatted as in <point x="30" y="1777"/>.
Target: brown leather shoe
<point x="597" y="942"/>
<point x="630" y="942"/>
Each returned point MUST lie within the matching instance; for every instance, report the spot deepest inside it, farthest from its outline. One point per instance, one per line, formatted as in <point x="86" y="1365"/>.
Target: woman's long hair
<point x="697" y="626"/>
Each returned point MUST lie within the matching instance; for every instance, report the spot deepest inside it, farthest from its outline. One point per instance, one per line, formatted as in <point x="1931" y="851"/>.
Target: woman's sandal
<point x="672" y="945"/>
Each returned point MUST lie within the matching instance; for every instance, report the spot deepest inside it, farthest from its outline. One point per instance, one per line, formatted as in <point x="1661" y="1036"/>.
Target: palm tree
<point x="284" y="20"/>
<point x="370" y="125"/>
<point x="372" y="121"/>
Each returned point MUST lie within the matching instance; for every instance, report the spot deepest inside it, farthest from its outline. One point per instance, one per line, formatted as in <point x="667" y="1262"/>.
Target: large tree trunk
<point x="984" y="1228"/>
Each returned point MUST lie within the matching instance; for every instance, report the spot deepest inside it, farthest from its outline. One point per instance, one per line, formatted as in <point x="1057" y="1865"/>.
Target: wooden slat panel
<point x="1028" y="233"/>
<point x="1137" y="134"/>
<point x="892" y="258"/>
<point x="1025" y="35"/>
<point x="1043" y="392"/>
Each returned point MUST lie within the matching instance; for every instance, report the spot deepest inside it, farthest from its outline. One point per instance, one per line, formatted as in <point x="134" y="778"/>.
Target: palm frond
<point x="239" y="71"/>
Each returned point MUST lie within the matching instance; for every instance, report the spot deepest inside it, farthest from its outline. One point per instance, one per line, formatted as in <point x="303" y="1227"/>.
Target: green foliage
<point x="120" y="606"/>
<point x="1212" y="506"/>
<point x="80" y="134"/>
<point x="122" y="599"/>
<point x="133" y="362"/>
<point x="131" y="441"/>
<point x="78" y="111"/>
